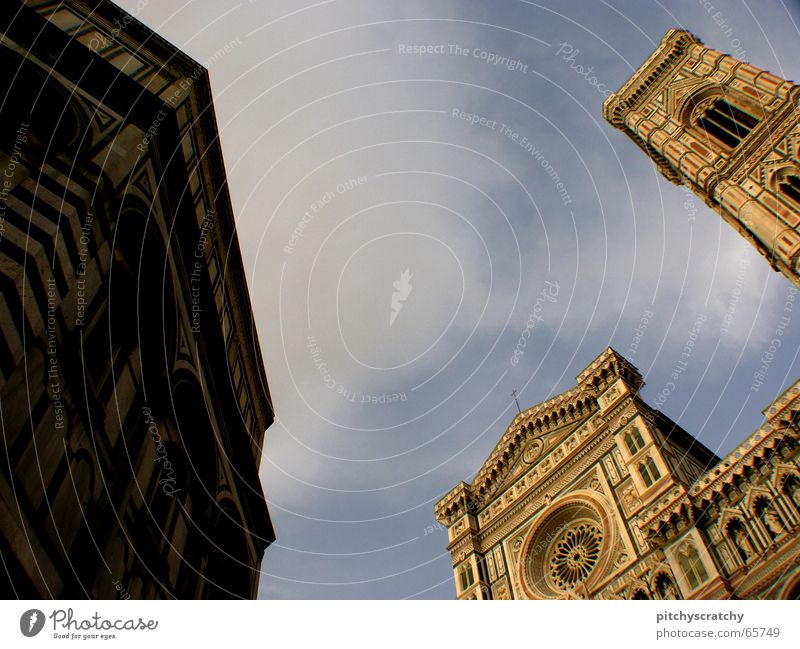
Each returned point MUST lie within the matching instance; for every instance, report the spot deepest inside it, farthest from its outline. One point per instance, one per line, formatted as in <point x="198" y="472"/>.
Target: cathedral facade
<point x="134" y="398"/>
<point x="728" y="131"/>
<point x="595" y="495"/>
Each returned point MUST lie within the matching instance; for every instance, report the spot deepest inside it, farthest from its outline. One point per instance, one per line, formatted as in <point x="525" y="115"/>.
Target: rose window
<point x="574" y="555"/>
<point x="568" y="548"/>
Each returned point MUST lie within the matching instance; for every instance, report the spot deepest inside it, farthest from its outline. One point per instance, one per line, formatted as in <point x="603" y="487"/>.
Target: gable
<point x="538" y="456"/>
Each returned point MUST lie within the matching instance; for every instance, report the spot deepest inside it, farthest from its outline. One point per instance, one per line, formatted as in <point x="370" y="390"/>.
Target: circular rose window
<point x="567" y="547"/>
<point x="574" y="555"/>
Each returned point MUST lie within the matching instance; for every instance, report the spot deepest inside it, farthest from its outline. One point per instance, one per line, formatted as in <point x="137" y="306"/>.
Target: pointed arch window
<point x="726" y="122"/>
<point x="634" y="440"/>
<point x="692" y="566"/>
<point x="649" y="472"/>
<point x="790" y="187"/>
<point x="665" y="588"/>
<point x="740" y="538"/>
<point x="791" y="489"/>
<point x="466" y="576"/>
<point x="770" y="519"/>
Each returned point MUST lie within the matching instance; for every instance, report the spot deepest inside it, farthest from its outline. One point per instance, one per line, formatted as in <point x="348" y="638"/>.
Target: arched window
<point x="770" y="519"/>
<point x="692" y="566"/>
<point x="466" y="576"/>
<point x="640" y="594"/>
<point x="646" y="477"/>
<point x="791" y="488"/>
<point x="649" y="472"/>
<point x="726" y="122"/>
<point x="666" y="588"/>
<point x="790" y="187"/>
<point x="634" y="440"/>
<point x="738" y="536"/>
<point x="651" y="464"/>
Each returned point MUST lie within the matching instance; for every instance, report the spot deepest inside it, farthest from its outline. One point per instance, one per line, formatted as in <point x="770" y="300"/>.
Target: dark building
<point x="133" y="397"/>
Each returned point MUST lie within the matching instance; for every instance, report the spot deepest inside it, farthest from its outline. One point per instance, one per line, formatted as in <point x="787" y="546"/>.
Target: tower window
<point x="727" y="123"/>
<point x="790" y="187"/>
<point x="634" y="440"/>
<point x="466" y="576"/>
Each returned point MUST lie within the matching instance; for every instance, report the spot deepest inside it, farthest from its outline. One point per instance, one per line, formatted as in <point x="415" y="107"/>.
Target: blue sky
<point x="363" y="139"/>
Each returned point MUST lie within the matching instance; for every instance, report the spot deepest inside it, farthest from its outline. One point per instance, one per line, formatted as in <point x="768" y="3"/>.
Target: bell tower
<point x="725" y="129"/>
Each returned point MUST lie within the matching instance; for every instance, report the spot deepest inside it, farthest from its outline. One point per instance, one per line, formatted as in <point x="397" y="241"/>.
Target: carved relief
<point x="500" y="590"/>
<point x="611" y="470"/>
<point x="516" y="547"/>
<point x="623" y="469"/>
<point x="491" y="568"/>
<point x="501" y="564"/>
<point x="532" y="451"/>
<point x="630" y="499"/>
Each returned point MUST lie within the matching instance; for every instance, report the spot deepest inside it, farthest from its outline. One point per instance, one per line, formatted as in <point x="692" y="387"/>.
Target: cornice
<point x="762" y="575"/>
<point x="790" y="396"/>
<point x="129" y="32"/>
<point x="750" y="446"/>
<point x="743" y="456"/>
<point x="653" y="73"/>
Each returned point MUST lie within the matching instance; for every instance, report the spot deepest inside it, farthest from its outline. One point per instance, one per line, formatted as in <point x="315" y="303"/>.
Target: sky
<point x="415" y="184"/>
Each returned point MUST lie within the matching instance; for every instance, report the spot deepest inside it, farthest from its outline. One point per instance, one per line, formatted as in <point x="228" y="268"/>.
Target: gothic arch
<point x="765" y="511"/>
<point x="698" y="93"/>
<point x="754" y="495"/>
<point x="691" y="565"/>
<point x="663" y="584"/>
<point x="790" y="488"/>
<point x="706" y="92"/>
<point x="736" y="115"/>
<point x="779" y="174"/>
<point x="738" y="535"/>
<point x="638" y="589"/>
